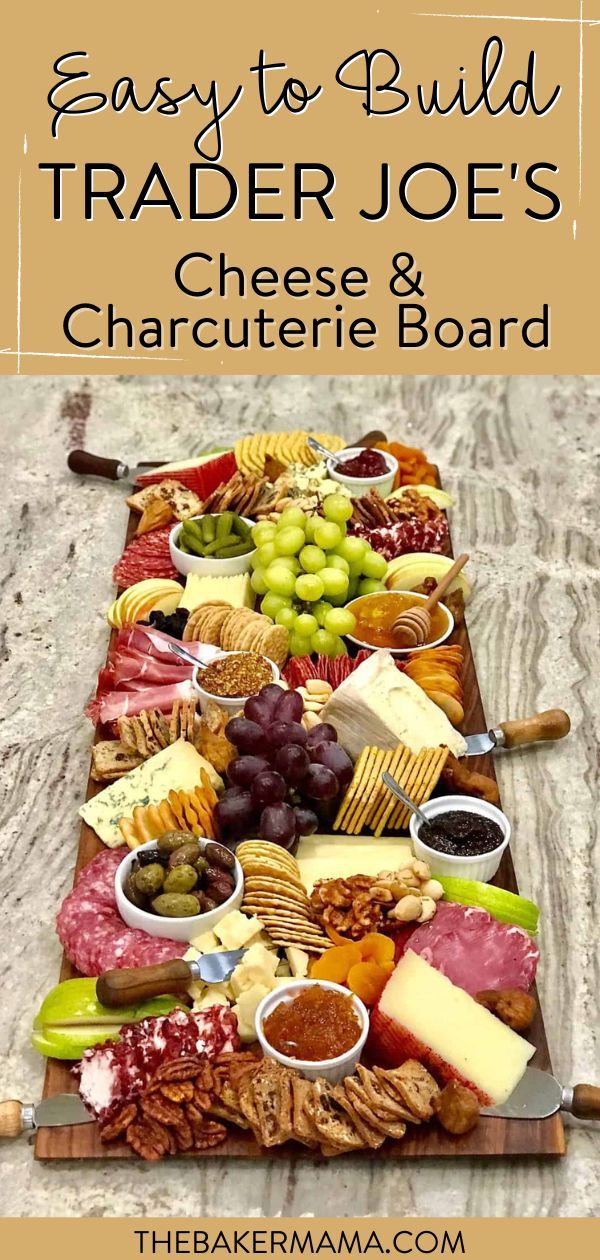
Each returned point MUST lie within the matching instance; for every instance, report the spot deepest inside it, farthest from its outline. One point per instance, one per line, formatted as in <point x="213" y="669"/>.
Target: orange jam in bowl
<point x="375" y="615"/>
<point x="315" y="1025"/>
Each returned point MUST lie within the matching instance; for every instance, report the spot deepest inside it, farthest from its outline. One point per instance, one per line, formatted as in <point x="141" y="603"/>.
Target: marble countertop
<point x="521" y="457"/>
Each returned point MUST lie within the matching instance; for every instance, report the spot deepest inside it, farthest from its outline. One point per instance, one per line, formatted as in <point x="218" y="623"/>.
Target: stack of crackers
<point x="180" y="811"/>
<point x="237" y="630"/>
<point x="140" y="737"/>
<point x="240" y="494"/>
<point x="357" y="1115"/>
<point x="369" y="803"/>
<point x="286" y="448"/>
<point x="274" y="892"/>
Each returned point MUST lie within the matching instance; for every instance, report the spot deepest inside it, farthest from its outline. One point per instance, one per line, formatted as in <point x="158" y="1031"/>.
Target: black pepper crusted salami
<point x="145" y="557"/>
<point x="92" y="932"/>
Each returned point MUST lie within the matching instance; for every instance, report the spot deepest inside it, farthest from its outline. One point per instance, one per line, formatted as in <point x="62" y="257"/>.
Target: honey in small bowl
<point x="375" y="615"/>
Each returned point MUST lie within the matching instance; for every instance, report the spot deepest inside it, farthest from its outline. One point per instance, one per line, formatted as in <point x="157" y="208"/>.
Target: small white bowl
<point x="361" y="485"/>
<point x="208" y="566"/>
<point x="172" y="929"/>
<point x="482" y="867"/>
<point x="332" y="1070"/>
<point x="230" y="704"/>
<point x="372" y="647"/>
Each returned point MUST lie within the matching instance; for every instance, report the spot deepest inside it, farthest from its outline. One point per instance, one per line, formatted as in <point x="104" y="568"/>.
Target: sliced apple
<point x="441" y="498"/>
<point x="407" y="572"/>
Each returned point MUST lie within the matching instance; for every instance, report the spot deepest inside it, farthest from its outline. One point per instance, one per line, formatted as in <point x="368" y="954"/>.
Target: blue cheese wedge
<point x="176" y="768"/>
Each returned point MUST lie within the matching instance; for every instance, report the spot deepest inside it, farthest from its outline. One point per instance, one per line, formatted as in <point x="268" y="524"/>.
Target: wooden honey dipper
<point x="412" y="628"/>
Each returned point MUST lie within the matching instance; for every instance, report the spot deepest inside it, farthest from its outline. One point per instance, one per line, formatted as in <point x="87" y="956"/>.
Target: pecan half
<point x="119" y="1124"/>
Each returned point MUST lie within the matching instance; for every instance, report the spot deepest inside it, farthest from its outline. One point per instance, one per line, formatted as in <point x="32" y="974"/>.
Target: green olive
<point x="175" y="905"/>
<point x="201" y="865"/>
<point x="181" y="879"/>
<point x="171" y="840"/>
<point x="149" y="879"/>
<point x="186" y="854"/>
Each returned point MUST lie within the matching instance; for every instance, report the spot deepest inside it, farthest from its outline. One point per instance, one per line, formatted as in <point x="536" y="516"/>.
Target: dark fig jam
<point x="461" y="834"/>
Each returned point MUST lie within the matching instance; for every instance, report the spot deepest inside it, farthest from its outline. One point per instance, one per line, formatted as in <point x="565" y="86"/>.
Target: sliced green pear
<point x="71" y="1019"/>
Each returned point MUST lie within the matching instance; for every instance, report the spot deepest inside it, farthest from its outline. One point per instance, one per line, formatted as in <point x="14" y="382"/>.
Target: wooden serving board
<point x="491" y="1137"/>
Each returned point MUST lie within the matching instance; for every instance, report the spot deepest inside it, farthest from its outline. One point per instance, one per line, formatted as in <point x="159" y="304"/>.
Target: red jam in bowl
<point x="368" y="464"/>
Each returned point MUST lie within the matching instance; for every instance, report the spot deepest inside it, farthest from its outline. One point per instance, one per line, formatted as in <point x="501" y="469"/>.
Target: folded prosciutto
<point x="142" y="673"/>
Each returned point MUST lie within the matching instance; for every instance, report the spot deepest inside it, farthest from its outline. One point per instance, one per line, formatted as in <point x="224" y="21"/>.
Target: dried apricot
<point x="367" y="980"/>
<point x="375" y="947"/>
<point x="335" y="963"/>
<point x="335" y="936"/>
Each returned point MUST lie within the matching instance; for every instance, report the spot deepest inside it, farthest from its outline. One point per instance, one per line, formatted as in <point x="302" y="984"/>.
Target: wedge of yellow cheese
<point x="234" y="589"/>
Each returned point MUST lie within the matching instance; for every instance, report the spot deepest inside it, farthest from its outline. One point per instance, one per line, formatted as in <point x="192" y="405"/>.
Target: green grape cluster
<point x="307" y="568"/>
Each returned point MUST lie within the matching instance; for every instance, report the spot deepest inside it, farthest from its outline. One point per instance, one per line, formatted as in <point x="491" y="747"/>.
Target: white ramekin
<point x="172" y="929"/>
<point x="483" y="867"/>
<point x="402" y="651"/>
<point x="230" y="704"/>
<point x="208" y="566"/>
<point x="361" y="485"/>
<point x="332" y="1070"/>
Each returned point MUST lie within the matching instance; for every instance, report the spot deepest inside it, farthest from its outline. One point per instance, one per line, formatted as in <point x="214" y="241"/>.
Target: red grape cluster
<point x="286" y="780"/>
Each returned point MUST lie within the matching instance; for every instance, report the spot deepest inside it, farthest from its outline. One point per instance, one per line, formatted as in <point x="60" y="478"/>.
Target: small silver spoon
<point x="322" y="450"/>
<point x="398" y="791"/>
<point x="186" y="656"/>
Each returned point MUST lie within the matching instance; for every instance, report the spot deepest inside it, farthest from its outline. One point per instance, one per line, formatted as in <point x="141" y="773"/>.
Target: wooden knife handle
<point x="88" y="465"/>
<point x="551" y="724"/>
<point x="128" y="985"/>
<point x="372" y="437"/>
<point x="586" y="1102"/>
<point x="11" y="1118"/>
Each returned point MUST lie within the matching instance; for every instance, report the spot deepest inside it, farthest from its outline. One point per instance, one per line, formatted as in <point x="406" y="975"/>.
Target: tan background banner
<point x="233" y="1236"/>
<point x="470" y="268"/>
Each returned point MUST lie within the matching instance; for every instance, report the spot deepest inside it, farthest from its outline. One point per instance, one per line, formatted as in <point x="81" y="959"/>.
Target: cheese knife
<point x="539" y="1095"/>
<point x="88" y="465"/>
<point x="126" y="986"/>
<point x="549" y="725"/>
<point x="17" y="1117"/>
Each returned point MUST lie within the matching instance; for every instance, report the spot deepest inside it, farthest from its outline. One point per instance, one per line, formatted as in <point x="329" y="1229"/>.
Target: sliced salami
<point x="145" y="557"/>
<point x="474" y="950"/>
<point x="92" y="932"/>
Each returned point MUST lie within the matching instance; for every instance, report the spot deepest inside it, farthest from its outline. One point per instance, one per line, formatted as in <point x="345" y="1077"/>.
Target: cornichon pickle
<point x="186" y="854"/>
<point x="241" y="527"/>
<point x="236" y="549"/>
<point x="171" y="840"/>
<point x="149" y="879"/>
<point x="208" y="526"/>
<point x="181" y="879"/>
<point x="175" y="905"/>
<point x="224" y="524"/>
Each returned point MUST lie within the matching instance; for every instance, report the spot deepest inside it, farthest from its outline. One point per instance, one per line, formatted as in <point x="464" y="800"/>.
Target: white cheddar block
<point x="452" y="1029"/>
<point x="234" y="589"/>
<point x="177" y="768"/>
<point x="337" y="857"/>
